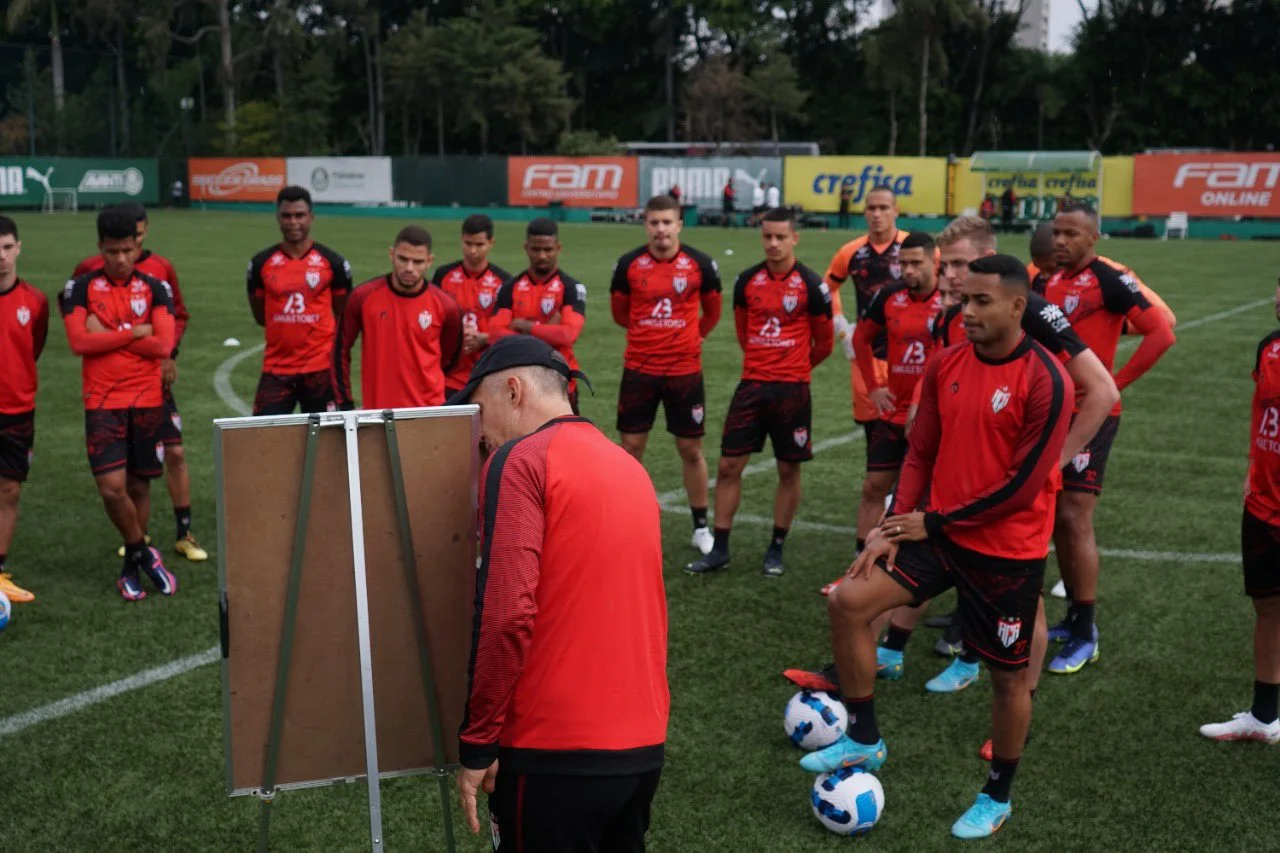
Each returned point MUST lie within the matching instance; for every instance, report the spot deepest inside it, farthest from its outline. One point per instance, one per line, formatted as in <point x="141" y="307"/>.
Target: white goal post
<point x="60" y="199"/>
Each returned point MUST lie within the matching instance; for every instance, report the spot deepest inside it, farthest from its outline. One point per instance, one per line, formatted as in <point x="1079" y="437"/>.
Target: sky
<point x="1064" y="16"/>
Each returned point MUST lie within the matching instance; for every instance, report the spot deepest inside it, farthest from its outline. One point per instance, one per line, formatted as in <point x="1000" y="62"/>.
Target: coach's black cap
<point x="515" y="351"/>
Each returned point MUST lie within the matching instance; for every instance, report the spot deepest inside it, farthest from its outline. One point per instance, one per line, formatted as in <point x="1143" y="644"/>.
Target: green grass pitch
<point x="1115" y="761"/>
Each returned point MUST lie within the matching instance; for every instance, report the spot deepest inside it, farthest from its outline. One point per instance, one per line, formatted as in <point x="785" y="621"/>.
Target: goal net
<point x="60" y="199"/>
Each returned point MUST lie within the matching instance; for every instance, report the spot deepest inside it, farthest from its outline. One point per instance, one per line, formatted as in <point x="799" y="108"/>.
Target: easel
<point x="351" y="423"/>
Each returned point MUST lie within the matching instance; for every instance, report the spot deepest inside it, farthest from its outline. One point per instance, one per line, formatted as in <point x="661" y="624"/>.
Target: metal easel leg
<point x="268" y="790"/>
<point x="419" y="625"/>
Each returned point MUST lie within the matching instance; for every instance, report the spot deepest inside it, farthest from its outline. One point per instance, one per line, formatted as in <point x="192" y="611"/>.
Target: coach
<point x="566" y="713"/>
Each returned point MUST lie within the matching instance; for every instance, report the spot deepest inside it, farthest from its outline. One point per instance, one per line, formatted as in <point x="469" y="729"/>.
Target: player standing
<point x="412" y="332"/>
<point x="474" y="284"/>
<point x="1260" y="550"/>
<point x="1097" y="298"/>
<point x="120" y="322"/>
<point x="24" y="327"/>
<point x="297" y="290"/>
<point x="656" y="295"/>
<point x="782" y="312"/>
<point x="543" y="301"/>
<point x="985" y="529"/>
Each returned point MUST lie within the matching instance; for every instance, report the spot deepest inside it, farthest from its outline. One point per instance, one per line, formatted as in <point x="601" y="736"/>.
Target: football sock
<point x="134" y="554"/>
<point x="967" y="656"/>
<point x="779" y="536"/>
<point x="1000" y="778"/>
<point x="896" y="639"/>
<point x="722" y="540"/>
<point x="1265" y="697"/>
<point x="699" y="516"/>
<point x="2" y="559"/>
<point x="1082" y="623"/>
<point x="1066" y="586"/>
<point x="862" y="719"/>
<point x="182" y="516"/>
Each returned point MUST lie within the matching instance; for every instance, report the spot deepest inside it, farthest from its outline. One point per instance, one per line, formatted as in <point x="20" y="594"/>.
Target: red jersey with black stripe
<point x="1043" y="322"/>
<point x="119" y="371"/>
<point x="984" y="449"/>
<point x="658" y="302"/>
<point x="410" y="340"/>
<point x="783" y="323"/>
<point x="560" y="295"/>
<point x="24" y="327"/>
<point x="1263" y="498"/>
<point x="298" y="295"/>
<point x="156" y="266"/>
<point x="477" y="298"/>
<point x="907" y="322"/>
<point x="569" y="651"/>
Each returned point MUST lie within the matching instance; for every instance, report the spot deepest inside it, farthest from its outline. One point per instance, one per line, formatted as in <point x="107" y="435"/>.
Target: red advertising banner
<point x="1207" y="184"/>
<point x="573" y="181"/>
<point x="236" y="178"/>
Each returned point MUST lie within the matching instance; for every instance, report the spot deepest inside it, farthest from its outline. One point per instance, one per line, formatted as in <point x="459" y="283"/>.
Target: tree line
<point x="171" y="77"/>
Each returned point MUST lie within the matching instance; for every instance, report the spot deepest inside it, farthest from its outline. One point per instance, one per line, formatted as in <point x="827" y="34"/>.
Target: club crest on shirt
<point x="789" y="302"/>
<point x="1008" y="630"/>
<point x="548" y="305"/>
<point x="1080" y="461"/>
<point x="697" y="413"/>
<point x="139" y="306"/>
<point x="895" y="270"/>
<point x="1071" y="303"/>
<point x="424" y="320"/>
<point x="679" y="283"/>
<point x="486" y="299"/>
<point x="24" y="315"/>
<point x="313" y="279"/>
<point x="801" y="436"/>
<point x="1000" y="399"/>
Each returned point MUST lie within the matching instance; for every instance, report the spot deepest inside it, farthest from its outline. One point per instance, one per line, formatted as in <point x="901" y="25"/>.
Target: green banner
<point x="463" y="181"/>
<point x="26" y="181"/>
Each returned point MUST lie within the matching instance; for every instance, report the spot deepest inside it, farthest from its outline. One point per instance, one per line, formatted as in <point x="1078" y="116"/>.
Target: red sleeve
<point x="450" y="332"/>
<point x="1044" y="430"/>
<point x="511" y="498"/>
<point x="922" y="446"/>
<point x="180" y="315"/>
<point x="1157" y="336"/>
<point x="823" y="335"/>
<point x="500" y="325"/>
<point x="564" y="333"/>
<point x="712" y="303"/>
<point x="85" y="342"/>
<point x="740" y="325"/>
<point x="864" y="335"/>
<point x="620" y="305"/>
<point x="40" y="329"/>
<point x="158" y="344"/>
<point x="349" y="325"/>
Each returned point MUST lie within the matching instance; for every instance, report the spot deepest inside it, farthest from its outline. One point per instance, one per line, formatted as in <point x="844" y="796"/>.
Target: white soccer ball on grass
<point x="848" y="801"/>
<point x="814" y="719"/>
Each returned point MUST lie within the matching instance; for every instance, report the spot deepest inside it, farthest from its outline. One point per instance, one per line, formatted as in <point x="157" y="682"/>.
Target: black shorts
<point x="279" y="393"/>
<point x="1260" y="553"/>
<point x="125" y="438"/>
<point x="17" y="437"/>
<point x="171" y="429"/>
<point x="780" y="411"/>
<point x="886" y="446"/>
<point x="997" y="597"/>
<point x="683" y="402"/>
<point x="545" y="813"/>
<point x="1084" y="472"/>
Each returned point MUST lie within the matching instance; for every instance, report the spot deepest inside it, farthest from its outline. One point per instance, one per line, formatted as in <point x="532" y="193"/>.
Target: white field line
<point x="222" y="384"/>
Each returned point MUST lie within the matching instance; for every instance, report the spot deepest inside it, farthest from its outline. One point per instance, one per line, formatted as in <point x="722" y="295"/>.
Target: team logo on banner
<point x="1000" y="399"/>
<point x="1071" y="303"/>
<point x="1080" y="461"/>
<point x="801" y="435"/>
<point x="424" y="320"/>
<point x="679" y="283"/>
<point x="24" y="315"/>
<point x="1008" y="631"/>
<point x="548" y="305"/>
<point x="313" y="279"/>
<point x="486" y="299"/>
<point x="139" y="306"/>
<point x="789" y="302"/>
<point x="697" y="413"/>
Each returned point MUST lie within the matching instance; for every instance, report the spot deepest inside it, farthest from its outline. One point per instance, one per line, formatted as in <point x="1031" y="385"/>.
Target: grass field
<point x="1115" y="762"/>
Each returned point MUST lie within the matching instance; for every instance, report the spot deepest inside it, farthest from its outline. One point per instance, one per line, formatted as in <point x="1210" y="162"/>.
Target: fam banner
<point x="235" y="178"/>
<point x="572" y="181"/>
<point x="342" y="179"/>
<point x="702" y="179"/>
<point x="815" y="183"/>
<point x="1207" y="184"/>
<point x="25" y="181"/>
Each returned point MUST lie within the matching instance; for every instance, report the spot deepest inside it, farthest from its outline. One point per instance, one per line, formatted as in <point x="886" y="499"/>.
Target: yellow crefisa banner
<point x="1039" y="193"/>
<point x="814" y="183"/>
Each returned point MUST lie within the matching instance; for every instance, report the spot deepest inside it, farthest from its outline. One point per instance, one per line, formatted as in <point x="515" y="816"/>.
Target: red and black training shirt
<point x="298" y="294"/>
<point x="477" y="298"/>
<point x="783" y="323"/>
<point x="24" y="328"/>
<point x="658" y="302"/>
<point x="1263" y="498"/>
<point x="156" y="266"/>
<point x="526" y="297"/>
<point x="906" y="324"/>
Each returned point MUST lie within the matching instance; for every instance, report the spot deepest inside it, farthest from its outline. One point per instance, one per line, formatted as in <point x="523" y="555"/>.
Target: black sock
<point x="861" y="545"/>
<point x="967" y="655"/>
<point x="134" y="554"/>
<point x="699" y="516"/>
<point x="1000" y="778"/>
<point x="1082" y="621"/>
<point x="779" y="536"/>
<point x="3" y="557"/>
<point x="896" y="639"/>
<point x="862" y="719"/>
<point x="1265" y="697"/>
<point x="182" y="515"/>
<point x="722" y="540"/>
<point x="1067" y="587"/>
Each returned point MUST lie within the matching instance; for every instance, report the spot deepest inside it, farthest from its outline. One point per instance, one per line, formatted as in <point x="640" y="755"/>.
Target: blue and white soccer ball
<point x="5" y="610"/>
<point x="814" y="719"/>
<point x="848" y="801"/>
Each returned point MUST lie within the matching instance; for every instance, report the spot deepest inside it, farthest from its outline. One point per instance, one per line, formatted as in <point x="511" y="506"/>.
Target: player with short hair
<point x="24" y="327"/>
<point x="120" y="321"/>
<point x="667" y="296"/>
<point x="543" y="300"/>
<point x="985" y="526"/>
<point x="1043" y="264"/>
<point x="177" y="476"/>
<point x="297" y="290"/>
<point x="473" y="283"/>
<point x="1097" y="297"/>
<point x="412" y="332"/>
<point x="1260" y="550"/>
<point x="782" y="313"/>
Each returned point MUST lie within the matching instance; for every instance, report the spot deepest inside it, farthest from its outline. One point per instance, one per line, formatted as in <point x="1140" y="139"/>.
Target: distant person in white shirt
<point x="757" y="200"/>
<point x="773" y="197"/>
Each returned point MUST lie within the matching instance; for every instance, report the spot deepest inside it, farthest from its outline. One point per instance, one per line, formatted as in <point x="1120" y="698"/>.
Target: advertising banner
<point x="24" y="181"/>
<point x="702" y="179"/>
<point x="1207" y="184"/>
<point x="342" y="179"/>
<point x="1038" y="193"/>
<point x="235" y="178"/>
<point x="919" y="182"/>
<point x="573" y="181"/>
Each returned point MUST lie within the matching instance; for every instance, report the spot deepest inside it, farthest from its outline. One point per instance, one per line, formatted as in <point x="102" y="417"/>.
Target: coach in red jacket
<point x="566" y="715"/>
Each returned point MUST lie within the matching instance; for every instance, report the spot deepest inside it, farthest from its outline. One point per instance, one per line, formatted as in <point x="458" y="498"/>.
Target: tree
<point x="929" y="20"/>
<point x="19" y="14"/>
<point x="888" y="56"/>
<point x="715" y="103"/>
<point x="774" y="88"/>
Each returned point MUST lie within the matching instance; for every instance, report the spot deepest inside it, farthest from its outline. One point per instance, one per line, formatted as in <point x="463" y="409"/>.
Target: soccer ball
<point x="814" y="719"/>
<point x="848" y="801"/>
<point x="5" y="609"/>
